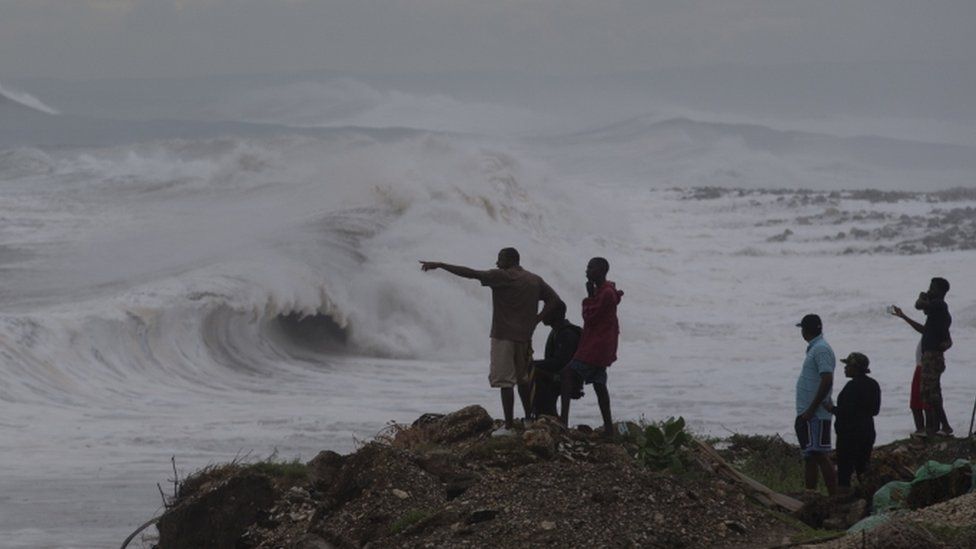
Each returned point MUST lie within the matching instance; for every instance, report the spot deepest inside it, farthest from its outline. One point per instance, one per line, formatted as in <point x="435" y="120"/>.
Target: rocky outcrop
<point x="463" y="424"/>
<point x="218" y="514"/>
<point x="444" y="481"/>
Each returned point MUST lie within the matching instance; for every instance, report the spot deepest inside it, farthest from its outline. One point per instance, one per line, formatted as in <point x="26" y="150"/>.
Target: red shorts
<point x="916" y="401"/>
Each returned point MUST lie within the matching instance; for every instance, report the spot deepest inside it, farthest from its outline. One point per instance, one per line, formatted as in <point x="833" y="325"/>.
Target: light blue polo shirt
<point x="819" y="360"/>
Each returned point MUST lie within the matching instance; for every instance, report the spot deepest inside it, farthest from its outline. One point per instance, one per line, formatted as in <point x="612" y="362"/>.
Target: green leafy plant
<point x="661" y="446"/>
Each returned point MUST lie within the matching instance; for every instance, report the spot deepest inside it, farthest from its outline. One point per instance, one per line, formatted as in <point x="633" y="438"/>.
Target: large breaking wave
<point x="172" y="262"/>
<point x="251" y="254"/>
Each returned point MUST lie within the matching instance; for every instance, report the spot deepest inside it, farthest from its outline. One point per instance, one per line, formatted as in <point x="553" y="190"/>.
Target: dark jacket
<point x="560" y="348"/>
<point x="857" y="404"/>
<point x="937" y="322"/>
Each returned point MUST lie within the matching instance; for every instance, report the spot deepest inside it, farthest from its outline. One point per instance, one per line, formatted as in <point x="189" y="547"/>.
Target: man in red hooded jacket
<point x="597" y="348"/>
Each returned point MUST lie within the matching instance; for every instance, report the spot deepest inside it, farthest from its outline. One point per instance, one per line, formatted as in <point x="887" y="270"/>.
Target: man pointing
<point x="515" y="297"/>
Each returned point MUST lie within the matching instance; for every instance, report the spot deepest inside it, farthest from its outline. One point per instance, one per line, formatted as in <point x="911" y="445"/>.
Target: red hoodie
<point x="598" y="344"/>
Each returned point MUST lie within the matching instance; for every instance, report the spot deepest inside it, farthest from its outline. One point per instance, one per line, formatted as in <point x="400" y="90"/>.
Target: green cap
<point x="858" y="360"/>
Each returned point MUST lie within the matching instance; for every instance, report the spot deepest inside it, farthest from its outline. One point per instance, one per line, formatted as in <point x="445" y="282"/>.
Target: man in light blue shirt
<point x="813" y="388"/>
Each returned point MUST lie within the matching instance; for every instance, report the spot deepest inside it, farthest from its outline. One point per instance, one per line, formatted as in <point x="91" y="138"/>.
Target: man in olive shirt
<point x="515" y="297"/>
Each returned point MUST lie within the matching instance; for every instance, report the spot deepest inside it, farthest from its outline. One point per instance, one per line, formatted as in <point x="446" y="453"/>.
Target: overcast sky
<point x="145" y="38"/>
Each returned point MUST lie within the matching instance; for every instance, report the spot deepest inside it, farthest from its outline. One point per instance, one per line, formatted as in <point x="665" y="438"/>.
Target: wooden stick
<point x="760" y="491"/>
<point x="176" y="478"/>
<point x="971" y="418"/>
<point x="145" y="525"/>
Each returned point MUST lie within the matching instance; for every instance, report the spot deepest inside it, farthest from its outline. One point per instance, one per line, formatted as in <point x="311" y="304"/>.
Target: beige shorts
<point x="509" y="362"/>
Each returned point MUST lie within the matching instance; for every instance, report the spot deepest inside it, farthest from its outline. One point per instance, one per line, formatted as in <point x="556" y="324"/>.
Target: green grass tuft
<point x="408" y="519"/>
<point x="769" y="460"/>
<point x="291" y="470"/>
<point x="804" y="532"/>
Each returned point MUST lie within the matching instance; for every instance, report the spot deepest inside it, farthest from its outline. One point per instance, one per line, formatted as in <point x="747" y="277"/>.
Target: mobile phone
<point x="890" y="309"/>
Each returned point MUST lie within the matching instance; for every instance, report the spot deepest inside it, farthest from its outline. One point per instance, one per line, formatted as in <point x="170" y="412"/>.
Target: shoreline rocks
<point x="446" y="482"/>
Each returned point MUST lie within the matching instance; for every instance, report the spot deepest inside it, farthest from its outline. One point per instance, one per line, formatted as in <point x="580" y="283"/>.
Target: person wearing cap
<point x="857" y="404"/>
<point x="813" y="388"/>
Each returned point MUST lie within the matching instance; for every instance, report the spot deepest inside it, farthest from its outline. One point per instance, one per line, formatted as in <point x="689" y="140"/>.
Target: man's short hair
<point x="558" y="311"/>
<point x="602" y="263"/>
<point x="511" y="253"/>
<point x="942" y="284"/>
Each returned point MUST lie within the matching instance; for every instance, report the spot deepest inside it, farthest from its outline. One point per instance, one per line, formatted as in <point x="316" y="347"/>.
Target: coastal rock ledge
<point x="444" y="481"/>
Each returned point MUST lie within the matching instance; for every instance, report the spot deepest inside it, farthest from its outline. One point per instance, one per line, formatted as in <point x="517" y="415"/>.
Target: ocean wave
<point x="25" y="99"/>
<point x="198" y="264"/>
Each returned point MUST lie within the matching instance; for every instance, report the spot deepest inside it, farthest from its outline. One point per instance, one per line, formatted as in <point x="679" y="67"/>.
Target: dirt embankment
<point x="446" y="482"/>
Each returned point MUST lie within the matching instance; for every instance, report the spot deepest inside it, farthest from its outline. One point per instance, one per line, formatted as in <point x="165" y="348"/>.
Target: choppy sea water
<point x="213" y="297"/>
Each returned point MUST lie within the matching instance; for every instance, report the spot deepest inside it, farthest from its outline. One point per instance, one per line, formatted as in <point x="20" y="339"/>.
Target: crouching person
<point x="598" y="345"/>
<point x="561" y="345"/>
<point x="857" y="404"/>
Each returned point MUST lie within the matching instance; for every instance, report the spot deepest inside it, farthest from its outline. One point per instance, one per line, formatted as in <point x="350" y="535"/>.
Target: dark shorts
<point x="813" y="435"/>
<point x="930" y="386"/>
<point x="589" y="374"/>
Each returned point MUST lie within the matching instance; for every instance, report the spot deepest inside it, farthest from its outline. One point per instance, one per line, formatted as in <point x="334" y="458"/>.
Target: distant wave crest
<point x="26" y="100"/>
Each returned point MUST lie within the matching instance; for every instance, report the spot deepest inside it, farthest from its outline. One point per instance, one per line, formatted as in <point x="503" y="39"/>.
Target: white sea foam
<point x="202" y="297"/>
<point x="349" y="102"/>
<point x="25" y="99"/>
<point x="243" y="234"/>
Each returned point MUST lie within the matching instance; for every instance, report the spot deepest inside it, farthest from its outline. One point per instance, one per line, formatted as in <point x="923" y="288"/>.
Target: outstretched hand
<point x="429" y="265"/>
<point x="896" y="311"/>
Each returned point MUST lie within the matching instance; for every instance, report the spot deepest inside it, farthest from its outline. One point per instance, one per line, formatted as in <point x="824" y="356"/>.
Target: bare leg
<point x="919" y="418"/>
<point x="525" y="395"/>
<point x="932" y="420"/>
<point x="943" y="420"/>
<point x="508" y="405"/>
<point x="603" y="398"/>
<point x="816" y="465"/>
<point x="810" y="474"/>
<point x="828" y="472"/>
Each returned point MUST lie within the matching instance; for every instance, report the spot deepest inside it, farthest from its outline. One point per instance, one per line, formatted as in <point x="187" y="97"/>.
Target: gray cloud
<point x="142" y="38"/>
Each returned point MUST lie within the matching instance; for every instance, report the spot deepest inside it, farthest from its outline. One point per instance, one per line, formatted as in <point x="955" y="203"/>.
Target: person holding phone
<point x="936" y="340"/>
<point x="597" y="348"/>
